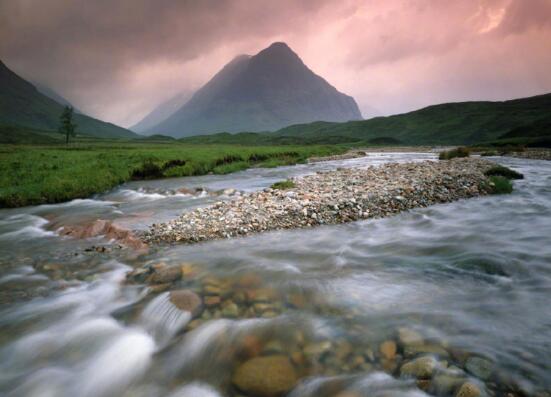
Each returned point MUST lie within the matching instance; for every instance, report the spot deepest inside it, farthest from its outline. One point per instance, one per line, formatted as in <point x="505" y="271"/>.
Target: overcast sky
<point x="116" y="60"/>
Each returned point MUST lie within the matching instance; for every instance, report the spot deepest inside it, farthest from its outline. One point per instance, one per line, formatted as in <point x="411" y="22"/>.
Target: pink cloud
<point x="118" y="60"/>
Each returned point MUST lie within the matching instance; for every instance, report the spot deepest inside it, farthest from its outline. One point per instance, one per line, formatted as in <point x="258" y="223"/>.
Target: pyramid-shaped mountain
<point x="268" y="91"/>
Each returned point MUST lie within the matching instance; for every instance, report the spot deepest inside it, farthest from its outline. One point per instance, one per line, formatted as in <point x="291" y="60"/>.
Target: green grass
<point x="283" y="185"/>
<point x="500" y="185"/>
<point x="50" y="174"/>
<point x="451" y="154"/>
<point x="505" y="172"/>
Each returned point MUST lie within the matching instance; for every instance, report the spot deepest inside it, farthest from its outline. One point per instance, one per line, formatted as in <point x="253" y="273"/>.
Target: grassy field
<point x="33" y="174"/>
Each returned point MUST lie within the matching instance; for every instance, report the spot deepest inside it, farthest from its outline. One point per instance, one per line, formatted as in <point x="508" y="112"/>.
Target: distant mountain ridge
<point x="21" y="104"/>
<point x="459" y="123"/>
<point x="160" y="113"/>
<point x="267" y="91"/>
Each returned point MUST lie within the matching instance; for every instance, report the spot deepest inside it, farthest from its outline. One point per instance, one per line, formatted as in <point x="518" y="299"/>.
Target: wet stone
<point x="267" y="376"/>
<point x="468" y="389"/>
<point x="388" y="349"/>
<point x="415" y="349"/>
<point x="212" y="300"/>
<point x="230" y="310"/>
<point x="421" y="367"/>
<point x="186" y="300"/>
<point x="479" y="367"/>
<point x="164" y="274"/>
<point x="408" y="336"/>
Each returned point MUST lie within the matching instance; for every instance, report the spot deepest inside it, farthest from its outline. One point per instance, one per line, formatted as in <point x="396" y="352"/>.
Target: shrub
<point x="283" y="185"/>
<point x="489" y="153"/>
<point x="148" y="170"/>
<point x="451" y="154"/>
<point x="505" y="172"/>
<point x="500" y="185"/>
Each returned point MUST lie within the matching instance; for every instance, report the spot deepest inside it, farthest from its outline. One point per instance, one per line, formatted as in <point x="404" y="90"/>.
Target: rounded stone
<point x="468" y="389"/>
<point x="268" y="376"/>
<point x="479" y="367"/>
<point x="388" y="349"/>
<point x="165" y="274"/>
<point x="186" y="300"/>
<point x="421" y="367"/>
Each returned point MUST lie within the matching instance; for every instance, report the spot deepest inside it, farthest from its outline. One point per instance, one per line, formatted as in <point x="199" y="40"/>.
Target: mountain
<point x="160" y="113"/>
<point x="22" y="105"/>
<point x="461" y="123"/>
<point x="50" y="93"/>
<point x="267" y="91"/>
<point x="449" y="123"/>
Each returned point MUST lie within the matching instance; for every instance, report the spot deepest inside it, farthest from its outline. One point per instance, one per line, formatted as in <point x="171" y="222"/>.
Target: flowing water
<point x="470" y="279"/>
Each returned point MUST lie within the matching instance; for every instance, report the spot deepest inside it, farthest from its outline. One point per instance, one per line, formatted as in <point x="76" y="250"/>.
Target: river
<point x="472" y="278"/>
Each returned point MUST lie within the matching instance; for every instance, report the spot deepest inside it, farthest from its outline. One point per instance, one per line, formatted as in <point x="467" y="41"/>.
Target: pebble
<point x="266" y="376"/>
<point x="468" y="389"/>
<point x="388" y="349"/>
<point x="421" y="367"/>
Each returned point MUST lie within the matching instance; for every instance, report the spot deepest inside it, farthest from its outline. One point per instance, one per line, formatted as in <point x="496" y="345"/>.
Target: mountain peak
<point x="267" y="91"/>
<point x="278" y="49"/>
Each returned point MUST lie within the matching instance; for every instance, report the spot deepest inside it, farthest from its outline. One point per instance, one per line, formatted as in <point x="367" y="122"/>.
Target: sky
<point x="116" y="60"/>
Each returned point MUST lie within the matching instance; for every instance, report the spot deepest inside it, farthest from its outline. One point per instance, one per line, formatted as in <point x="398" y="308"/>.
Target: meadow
<point x="35" y="174"/>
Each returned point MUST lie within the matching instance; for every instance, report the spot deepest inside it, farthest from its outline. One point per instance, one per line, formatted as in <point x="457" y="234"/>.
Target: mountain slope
<point x="21" y="104"/>
<point x="43" y="89"/>
<point x="160" y="113"/>
<point x="449" y="123"/>
<point x="264" y="92"/>
<point x="461" y="123"/>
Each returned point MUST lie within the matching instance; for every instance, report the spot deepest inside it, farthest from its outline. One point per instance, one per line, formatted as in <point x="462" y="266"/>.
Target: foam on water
<point x="24" y="227"/>
<point x="115" y="367"/>
<point x="195" y="389"/>
<point x="163" y="319"/>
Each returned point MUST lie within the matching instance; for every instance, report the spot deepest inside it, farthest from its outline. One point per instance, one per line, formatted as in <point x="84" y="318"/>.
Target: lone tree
<point x="66" y="125"/>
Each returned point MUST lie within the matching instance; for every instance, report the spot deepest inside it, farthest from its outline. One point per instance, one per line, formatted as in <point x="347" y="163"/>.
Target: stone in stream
<point x="230" y="310"/>
<point x="161" y="273"/>
<point x="422" y="367"/>
<point x="415" y="349"/>
<point x="186" y="300"/>
<point x="468" y="389"/>
<point x="445" y="383"/>
<point x="408" y="337"/>
<point x="268" y="376"/>
<point x="212" y="300"/>
<point x="388" y="349"/>
<point x="479" y="367"/>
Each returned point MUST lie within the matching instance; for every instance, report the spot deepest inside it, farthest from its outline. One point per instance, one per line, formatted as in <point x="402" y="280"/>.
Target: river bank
<point x="533" y="154"/>
<point x="333" y="197"/>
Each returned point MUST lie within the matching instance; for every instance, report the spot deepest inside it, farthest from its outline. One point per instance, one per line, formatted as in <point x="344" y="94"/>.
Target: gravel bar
<point x="333" y="197"/>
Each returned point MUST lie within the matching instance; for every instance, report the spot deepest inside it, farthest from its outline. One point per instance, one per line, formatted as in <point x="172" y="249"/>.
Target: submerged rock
<point x="479" y="367"/>
<point x="468" y="389"/>
<point x="388" y="349"/>
<point x="162" y="273"/>
<point x="268" y="376"/>
<point x="108" y="230"/>
<point x="422" y="367"/>
<point x="186" y="300"/>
